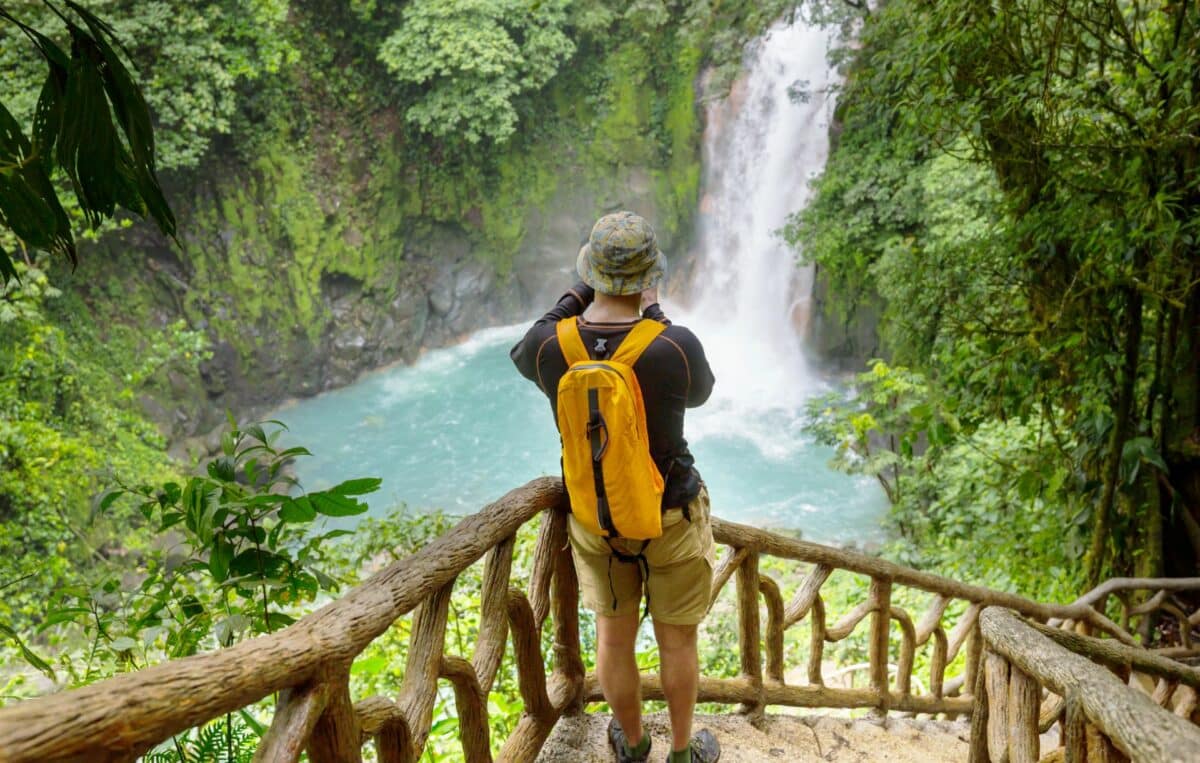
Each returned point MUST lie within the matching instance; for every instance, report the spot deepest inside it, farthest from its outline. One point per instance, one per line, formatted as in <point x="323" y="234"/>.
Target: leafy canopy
<point x="110" y="163"/>
<point x="79" y="114"/>
<point x="1019" y="182"/>
<point x="469" y="60"/>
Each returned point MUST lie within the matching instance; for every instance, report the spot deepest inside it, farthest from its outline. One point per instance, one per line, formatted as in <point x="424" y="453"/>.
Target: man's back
<point x="673" y="374"/>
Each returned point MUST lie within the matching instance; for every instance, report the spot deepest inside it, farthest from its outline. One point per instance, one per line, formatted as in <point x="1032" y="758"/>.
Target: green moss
<point x="276" y="231"/>
<point x="526" y="180"/>
<point x="678" y="185"/>
<point x="624" y="113"/>
<point x="69" y="430"/>
<point x="310" y="191"/>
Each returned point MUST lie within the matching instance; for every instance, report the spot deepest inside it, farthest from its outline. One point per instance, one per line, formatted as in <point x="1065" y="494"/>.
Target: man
<point x="621" y="267"/>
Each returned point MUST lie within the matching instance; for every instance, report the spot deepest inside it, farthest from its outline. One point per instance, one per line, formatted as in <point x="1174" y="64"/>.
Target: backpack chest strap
<point x="630" y="349"/>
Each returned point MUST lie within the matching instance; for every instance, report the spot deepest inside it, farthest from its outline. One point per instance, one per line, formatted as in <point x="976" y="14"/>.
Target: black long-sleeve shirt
<point x="672" y="373"/>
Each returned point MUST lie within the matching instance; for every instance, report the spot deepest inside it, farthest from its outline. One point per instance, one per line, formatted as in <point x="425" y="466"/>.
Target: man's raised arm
<point x="524" y="353"/>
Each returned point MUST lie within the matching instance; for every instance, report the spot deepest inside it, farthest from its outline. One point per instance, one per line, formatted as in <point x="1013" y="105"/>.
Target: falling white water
<point x="748" y="301"/>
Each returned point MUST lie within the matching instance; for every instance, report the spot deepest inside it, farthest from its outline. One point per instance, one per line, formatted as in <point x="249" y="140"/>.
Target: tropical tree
<point x="92" y="123"/>
<point x="1066" y="288"/>
<point x="469" y="61"/>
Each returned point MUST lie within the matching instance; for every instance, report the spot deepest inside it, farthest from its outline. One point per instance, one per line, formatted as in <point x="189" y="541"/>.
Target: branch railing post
<point x="336" y="736"/>
<point x="568" y="661"/>
<point x="880" y="597"/>
<point x="418" y="692"/>
<point x="750" y="632"/>
<point x="1105" y="719"/>
<point x="1024" y="700"/>
<point x="774" y="637"/>
<point x="493" y="613"/>
<point x="980" y="717"/>
<point x="995" y="672"/>
<point x="296" y="714"/>
<point x="471" y="702"/>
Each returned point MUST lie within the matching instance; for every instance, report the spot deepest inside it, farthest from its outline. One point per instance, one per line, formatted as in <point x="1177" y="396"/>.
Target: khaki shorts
<point x="680" y="564"/>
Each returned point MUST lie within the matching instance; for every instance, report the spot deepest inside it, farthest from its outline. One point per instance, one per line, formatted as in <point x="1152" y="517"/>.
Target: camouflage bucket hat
<point x="621" y="256"/>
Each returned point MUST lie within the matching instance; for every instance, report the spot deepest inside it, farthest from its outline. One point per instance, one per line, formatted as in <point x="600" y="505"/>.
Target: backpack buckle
<point x="596" y="426"/>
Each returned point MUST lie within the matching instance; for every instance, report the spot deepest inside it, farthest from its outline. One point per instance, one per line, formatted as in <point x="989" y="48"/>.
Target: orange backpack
<point x="615" y="487"/>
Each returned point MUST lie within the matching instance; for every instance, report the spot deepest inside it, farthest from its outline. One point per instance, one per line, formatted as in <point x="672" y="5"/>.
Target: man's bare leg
<point x="616" y="667"/>
<point x="680" y="670"/>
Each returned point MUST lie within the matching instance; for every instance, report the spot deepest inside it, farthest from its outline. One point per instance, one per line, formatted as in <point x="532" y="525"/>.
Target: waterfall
<point x="748" y="301"/>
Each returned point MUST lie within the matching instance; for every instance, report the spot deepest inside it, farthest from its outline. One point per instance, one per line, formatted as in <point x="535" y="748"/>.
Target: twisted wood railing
<point x="760" y="685"/>
<point x="307" y="665"/>
<point x="1102" y="717"/>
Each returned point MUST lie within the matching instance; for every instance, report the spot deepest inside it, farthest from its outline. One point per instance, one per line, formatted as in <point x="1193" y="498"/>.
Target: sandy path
<point x="778" y="738"/>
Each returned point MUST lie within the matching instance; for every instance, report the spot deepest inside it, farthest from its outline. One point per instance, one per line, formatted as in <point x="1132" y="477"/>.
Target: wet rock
<point x="842" y="343"/>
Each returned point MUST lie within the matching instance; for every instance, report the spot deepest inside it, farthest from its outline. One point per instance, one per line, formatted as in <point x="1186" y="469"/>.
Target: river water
<point x="460" y="427"/>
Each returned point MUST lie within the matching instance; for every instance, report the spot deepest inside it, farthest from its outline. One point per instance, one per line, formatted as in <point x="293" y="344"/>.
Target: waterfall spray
<point x="749" y="301"/>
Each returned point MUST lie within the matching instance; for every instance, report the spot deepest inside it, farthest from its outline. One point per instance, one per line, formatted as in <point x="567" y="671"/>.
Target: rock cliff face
<point x="842" y="340"/>
<point x="299" y="296"/>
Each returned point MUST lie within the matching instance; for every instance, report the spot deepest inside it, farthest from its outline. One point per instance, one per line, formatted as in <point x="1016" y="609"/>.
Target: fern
<point x="225" y="740"/>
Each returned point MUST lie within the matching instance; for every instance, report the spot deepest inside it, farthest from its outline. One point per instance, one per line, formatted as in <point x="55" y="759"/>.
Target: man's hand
<point x="649" y="297"/>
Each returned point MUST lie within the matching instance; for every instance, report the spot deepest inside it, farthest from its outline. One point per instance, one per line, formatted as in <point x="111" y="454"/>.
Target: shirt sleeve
<point x="524" y="353"/>
<point x="701" y="382"/>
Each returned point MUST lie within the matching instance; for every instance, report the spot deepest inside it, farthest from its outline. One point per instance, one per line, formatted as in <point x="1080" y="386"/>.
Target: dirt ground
<point x="778" y="738"/>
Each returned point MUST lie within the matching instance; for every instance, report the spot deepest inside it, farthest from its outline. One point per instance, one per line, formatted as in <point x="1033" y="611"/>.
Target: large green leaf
<point x="297" y="510"/>
<point x="89" y="149"/>
<point x="257" y="564"/>
<point x="74" y="130"/>
<point x="28" y="203"/>
<point x="219" y="559"/>
<point x="133" y="115"/>
<point x="357" y="486"/>
<point x="334" y="505"/>
<point x="49" y="112"/>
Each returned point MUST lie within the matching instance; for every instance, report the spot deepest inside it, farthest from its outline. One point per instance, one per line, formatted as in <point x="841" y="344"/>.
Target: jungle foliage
<point x="473" y="57"/>
<point x="73" y="131"/>
<point x="1018" y="182"/>
<point x="253" y="104"/>
<point x="69" y="426"/>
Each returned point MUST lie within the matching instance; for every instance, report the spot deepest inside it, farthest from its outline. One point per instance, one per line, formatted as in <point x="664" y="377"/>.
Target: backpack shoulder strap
<point x="637" y="340"/>
<point x="570" y="342"/>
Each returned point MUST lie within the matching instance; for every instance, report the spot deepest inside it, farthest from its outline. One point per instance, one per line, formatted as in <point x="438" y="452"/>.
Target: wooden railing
<point x="1102" y="717"/>
<point x="307" y="665"/>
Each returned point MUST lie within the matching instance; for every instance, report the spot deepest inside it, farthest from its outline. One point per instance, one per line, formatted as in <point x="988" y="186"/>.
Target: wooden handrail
<point x="760" y="685"/>
<point x="1101" y="709"/>
<point x="308" y="663"/>
<point x="744" y="536"/>
<point x="124" y="716"/>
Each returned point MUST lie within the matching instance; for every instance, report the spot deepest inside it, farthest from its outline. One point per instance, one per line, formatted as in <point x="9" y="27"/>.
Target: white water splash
<point x="749" y="302"/>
